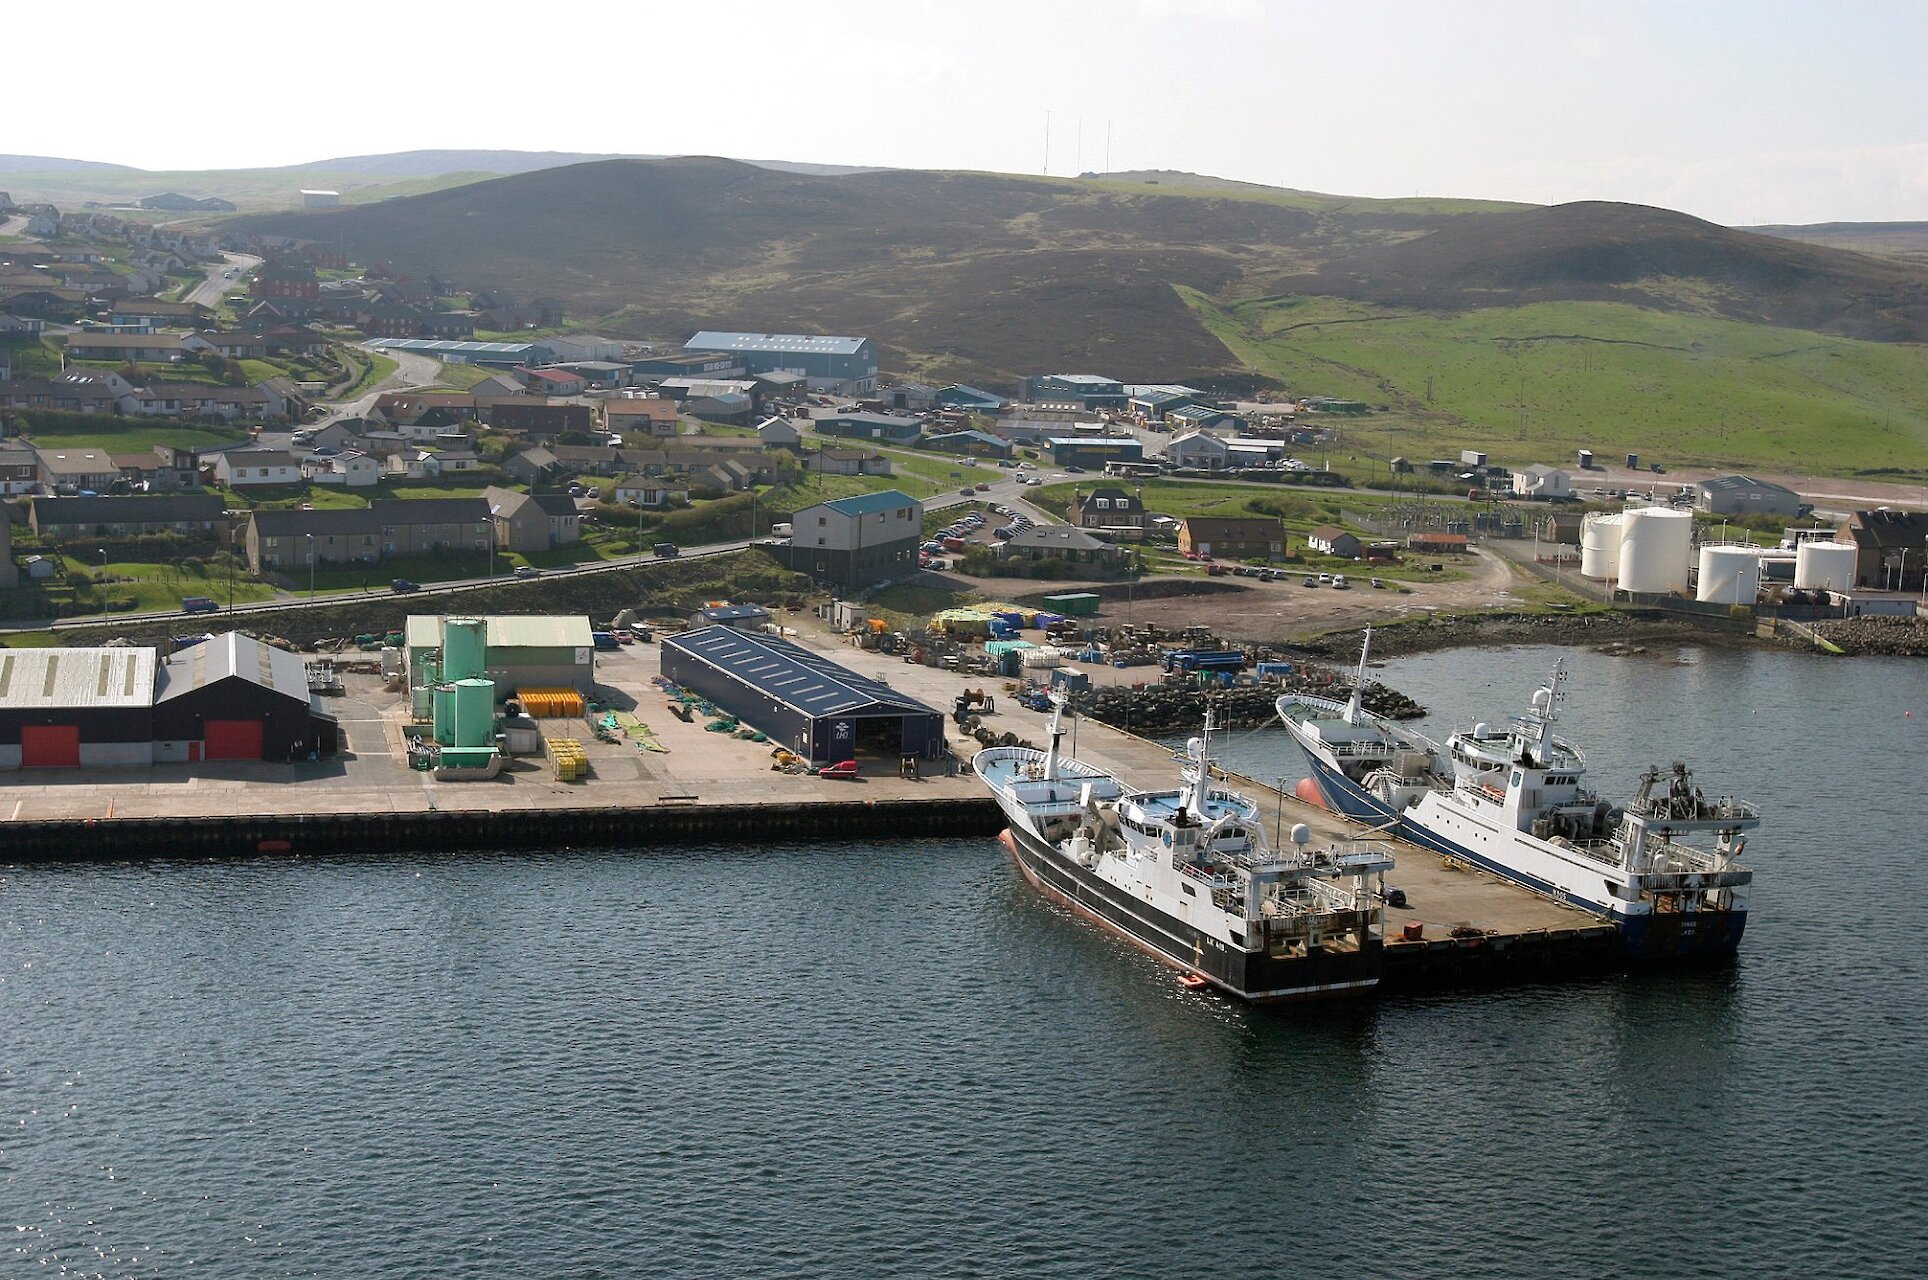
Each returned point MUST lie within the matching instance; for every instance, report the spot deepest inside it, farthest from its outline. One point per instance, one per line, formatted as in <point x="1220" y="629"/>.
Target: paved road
<point x="220" y="277"/>
<point x="14" y="226"/>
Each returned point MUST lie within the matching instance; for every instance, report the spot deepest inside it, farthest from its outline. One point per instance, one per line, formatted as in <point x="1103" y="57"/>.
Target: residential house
<point x="446" y="324"/>
<point x="255" y="468"/>
<point x="64" y="470"/>
<point x="649" y="491"/>
<point x="76" y="391"/>
<point x="1234" y="537"/>
<point x="1062" y="542"/>
<point x="349" y="468"/>
<point x="388" y="528"/>
<point x="19" y="471"/>
<point x="856" y="541"/>
<point x="779" y="433"/>
<point x="629" y="416"/>
<point x="533" y="521"/>
<point x="194" y="400"/>
<point x="432" y="464"/>
<point x="497" y="384"/>
<point x="1893" y="546"/>
<point x="554" y="382"/>
<point x="539" y="420"/>
<point x="1114" y="510"/>
<point x="281" y="398"/>
<point x="1331" y="540"/>
<point x="41" y="303"/>
<point x="533" y="466"/>
<point x="403" y="407"/>
<point x="592" y="459"/>
<point x="847" y="462"/>
<point x="156" y="348"/>
<point x="189" y="514"/>
<point x="235" y="346"/>
<point x="23" y="325"/>
<point x="157" y="313"/>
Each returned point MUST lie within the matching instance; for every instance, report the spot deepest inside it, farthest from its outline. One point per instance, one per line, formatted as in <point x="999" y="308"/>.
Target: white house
<point x="647" y="491"/>
<point x="248" y="468"/>
<point x="778" y="433"/>
<point x="349" y="469"/>
<point x="1542" y="481"/>
<point x="432" y="464"/>
<point x="1200" y="450"/>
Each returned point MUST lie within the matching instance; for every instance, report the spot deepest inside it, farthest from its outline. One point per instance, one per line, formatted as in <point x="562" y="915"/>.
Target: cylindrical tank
<point x="1729" y="575"/>
<point x="465" y="648"/>
<point x="1040" y="658"/>
<point x="421" y="705"/>
<point x="1600" y="546"/>
<point x="1824" y="564"/>
<point x="474" y="713"/>
<point x="444" y="700"/>
<point x="1656" y="550"/>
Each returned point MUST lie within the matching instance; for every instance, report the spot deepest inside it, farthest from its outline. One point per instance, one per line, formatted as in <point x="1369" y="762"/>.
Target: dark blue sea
<point x="894" y="1060"/>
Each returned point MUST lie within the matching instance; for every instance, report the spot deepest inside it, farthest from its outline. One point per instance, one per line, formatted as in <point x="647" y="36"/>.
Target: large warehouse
<point x="523" y="652"/>
<point x="831" y="363"/>
<point x="227" y="698"/>
<point x="803" y="700"/>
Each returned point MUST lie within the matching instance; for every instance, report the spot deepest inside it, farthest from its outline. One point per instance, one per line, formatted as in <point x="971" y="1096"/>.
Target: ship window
<point x="1189" y="891"/>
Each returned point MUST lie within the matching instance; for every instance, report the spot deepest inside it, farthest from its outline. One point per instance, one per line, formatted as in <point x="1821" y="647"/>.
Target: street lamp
<point x="311" y="564"/>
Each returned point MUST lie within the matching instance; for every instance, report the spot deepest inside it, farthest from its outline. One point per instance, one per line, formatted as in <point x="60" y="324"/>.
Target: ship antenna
<point x="1056" y="730"/>
<point x="1359" y="680"/>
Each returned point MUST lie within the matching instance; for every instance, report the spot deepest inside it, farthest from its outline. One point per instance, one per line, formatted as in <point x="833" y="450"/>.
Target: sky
<point x="1741" y="113"/>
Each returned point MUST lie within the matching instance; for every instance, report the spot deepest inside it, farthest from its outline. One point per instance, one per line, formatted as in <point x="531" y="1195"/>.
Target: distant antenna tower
<point x="1107" y="146"/>
<point x="1047" y="142"/>
<point x="1078" y="154"/>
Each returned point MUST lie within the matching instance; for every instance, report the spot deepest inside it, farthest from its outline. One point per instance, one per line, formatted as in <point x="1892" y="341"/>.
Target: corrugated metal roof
<point x="116" y="677"/>
<point x="790" y="673"/>
<point x="811" y="343"/>
<point x="232" y="654"/>
<point x="513" y="631"/>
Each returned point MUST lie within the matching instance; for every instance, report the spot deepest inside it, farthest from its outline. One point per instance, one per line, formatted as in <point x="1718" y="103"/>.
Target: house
<point x="57" y="305"/>
<point x="247" y="468"/>
<point x="388" y="528"/>
<point x="1236" y="537"/>
<point x="1062" y="542"/>
<point x="70" y="470"/>
<point x="432" y="464"/>
<point x="497" y="384"/>
<point x="281" y="398"/>
<point x="890" y="427"/>
<point x="856" y="541"/>
<point x="155" y="348"/>
<point x="532" y="466"/>
<point x="1111" y="509"/>
<point x="779" y="433"/>
<point x="628" y="416"/>
<point x="1331" y="540"/>
<point x="1892" y="547"/>
<point x="555" y="382"/>
<point x="1542" y="481"/>
<point x="648" y="491"/>
<point x="190" y="514"/>
<point x="594" y="459"/>
<point x="350" y="469"/>
<point x="19" y="471"/>
<point x="538" y="419"/>
<point x="194" y="400"/>
<point x="445" y="324"/>
<point x="235" y="346"/>
<point x="157" y="313"/>
<point x="533" y="521"/>
<point x="1744" y="495"/>
<point x="1198" y="451"/>
<point x="847" y="462"/>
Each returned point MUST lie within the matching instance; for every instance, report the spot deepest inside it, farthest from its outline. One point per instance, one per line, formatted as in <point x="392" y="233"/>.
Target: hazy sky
<point x="1738" y="112"/>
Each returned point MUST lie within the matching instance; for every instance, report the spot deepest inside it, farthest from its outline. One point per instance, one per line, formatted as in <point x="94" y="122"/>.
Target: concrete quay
<point x="707" y="787"/>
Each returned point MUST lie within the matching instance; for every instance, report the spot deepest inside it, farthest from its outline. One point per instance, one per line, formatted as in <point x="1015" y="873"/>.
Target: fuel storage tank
<point x="464" y="648"/>
<point x="1828" y="565"/>
<point x="1729" y="575"/>
<point x="1600" y="546"/>
<point x="1656" y="550"/>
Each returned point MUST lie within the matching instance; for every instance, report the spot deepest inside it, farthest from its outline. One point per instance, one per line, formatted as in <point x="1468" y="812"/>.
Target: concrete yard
<point x="371" y="776"/>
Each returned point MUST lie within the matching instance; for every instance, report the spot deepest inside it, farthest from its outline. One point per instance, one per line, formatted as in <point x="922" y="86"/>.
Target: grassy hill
<point x="1590" y="324"/>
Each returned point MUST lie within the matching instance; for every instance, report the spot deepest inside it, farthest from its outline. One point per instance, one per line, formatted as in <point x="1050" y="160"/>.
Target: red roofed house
<point x="555" y="382"/>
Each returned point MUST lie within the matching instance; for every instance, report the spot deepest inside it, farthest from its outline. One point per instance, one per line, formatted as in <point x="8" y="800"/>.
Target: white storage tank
<point x="1600" y="546"/>
<point x="1729" y="575"/>
<point x="1656" y="550"/>
<point x="1828" y="565"/>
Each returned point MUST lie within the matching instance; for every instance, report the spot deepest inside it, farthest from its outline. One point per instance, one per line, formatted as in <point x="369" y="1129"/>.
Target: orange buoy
<point x="1308" y="791"/>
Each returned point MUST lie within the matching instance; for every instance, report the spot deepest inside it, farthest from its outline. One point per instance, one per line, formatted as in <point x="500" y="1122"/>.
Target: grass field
<point x="162" y="586"/>
<point x="138" y="436"/>
<point x="1536" y="383"/>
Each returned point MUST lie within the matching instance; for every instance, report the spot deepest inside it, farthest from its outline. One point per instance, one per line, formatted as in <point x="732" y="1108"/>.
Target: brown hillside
<point x="987" y="277"/>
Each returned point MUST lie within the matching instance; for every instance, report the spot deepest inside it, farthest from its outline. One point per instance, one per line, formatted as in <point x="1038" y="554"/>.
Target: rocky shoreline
<point x="1876" y="637"/>
<point x="1175" y="708"/>
<point x="1615" y="628"/>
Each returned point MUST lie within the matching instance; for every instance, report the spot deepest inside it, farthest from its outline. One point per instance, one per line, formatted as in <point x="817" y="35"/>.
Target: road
<point x="220" y="277"/>
<point x="14" y="226"/>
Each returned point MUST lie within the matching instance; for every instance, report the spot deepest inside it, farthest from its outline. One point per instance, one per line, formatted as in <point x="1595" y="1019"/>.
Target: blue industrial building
<point x="847" y="366"/>
<point x="1095" y="451"/>
<point x="801" y="699"/>
<point x="969" y="399"/>
<point x="1086" y="390"/>
<point x="890" y="427"/>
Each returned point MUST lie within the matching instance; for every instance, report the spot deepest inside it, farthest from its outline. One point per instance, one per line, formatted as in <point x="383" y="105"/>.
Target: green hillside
<point x="1540" y="380"/>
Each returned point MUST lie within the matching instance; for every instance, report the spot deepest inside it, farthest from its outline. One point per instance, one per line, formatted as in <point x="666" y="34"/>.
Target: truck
<point x="199" y="604"/>
<point x="1472" y="458"/>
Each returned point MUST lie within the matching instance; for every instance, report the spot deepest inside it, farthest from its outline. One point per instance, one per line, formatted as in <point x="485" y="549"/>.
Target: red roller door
<point x="233" y="739"/>
<point x="50" y="746"/>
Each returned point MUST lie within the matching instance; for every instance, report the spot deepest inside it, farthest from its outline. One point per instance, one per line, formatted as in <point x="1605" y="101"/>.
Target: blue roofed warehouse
<point x="800" y="698"/>
<point x="845" y="365"/>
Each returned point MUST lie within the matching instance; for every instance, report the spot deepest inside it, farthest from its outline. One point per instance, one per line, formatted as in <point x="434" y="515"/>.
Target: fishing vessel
<point x="1514" y="801"/>
<point x="1362" y="765"/>
<point x="1188" y="874"/>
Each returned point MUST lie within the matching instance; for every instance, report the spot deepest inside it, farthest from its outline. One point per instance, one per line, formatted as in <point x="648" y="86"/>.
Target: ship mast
<point x="1359" y="680"/>
<point x="1544" y="710"/>
<point x="1198" y="770"/>
<point x="1056" y="730"/>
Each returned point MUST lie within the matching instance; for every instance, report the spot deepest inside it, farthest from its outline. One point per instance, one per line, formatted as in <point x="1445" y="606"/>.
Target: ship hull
<point x="1257" y="978"/>
<point x="1666" y="936"/>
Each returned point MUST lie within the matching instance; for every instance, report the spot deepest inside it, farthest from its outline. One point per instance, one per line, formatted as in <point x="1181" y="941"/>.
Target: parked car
<point x="527" y="571"/>
<point x="665" y="550"/>
<point x="402" y="586"/>
<point x="846" y="769"/>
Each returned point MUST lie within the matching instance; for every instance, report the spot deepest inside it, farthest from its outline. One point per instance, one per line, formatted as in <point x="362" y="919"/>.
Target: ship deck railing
<point x="1688" y="809"/>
